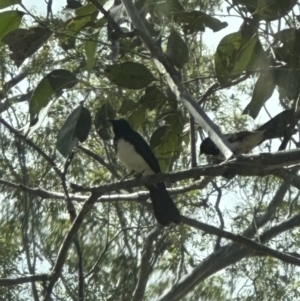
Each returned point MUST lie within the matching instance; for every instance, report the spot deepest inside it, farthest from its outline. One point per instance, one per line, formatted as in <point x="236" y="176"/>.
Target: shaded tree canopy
<point x="71" y="228"/>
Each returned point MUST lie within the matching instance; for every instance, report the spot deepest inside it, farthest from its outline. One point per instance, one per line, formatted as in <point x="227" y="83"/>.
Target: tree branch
<point x="259" y="248"/>
<point x="249" y="165"/>
<point x="229" y="255"/>
<point x="97" y="158"/>
<point x="33" y="145"/>
<point x="145" y="266"/>
<point x="262" y="219"/>
<point x="136" y="196"/>
<point x="24" y="279"/>
<point x="62" y="254"/>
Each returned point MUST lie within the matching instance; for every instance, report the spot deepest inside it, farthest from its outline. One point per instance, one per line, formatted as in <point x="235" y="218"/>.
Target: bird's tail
<point x="278" y="125"/>
<point x="165" y="211"/>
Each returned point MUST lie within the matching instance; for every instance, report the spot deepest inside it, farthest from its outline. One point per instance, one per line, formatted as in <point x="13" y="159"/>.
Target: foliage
<point x="64" y="73"/>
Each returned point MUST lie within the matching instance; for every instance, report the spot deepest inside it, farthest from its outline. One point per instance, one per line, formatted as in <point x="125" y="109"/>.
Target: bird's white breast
<point x="131" y="159"/>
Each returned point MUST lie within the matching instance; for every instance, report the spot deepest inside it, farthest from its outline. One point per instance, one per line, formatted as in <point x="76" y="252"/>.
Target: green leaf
<point x="25" y="42"/>
<point x="271" y="10"/>
<point x="235" y="54"/>
<point x="7" y="3"/>
<point x="259" y="59"/>
<point x="52" y="83"/>
<point x="288" y="79"/>
<point x="137" y="117"/>
<point x="9" y="20"/>
<point x="166" y="140"/>
<point x="90" y="51"/>
<point x="85" y="10"/>
<point x="102" y="126"/>
<point x="76" y="128"/>
<point x="289" y="49"/>
<point x="166" y="8"/>
<point x="84" y="125"/>
<point x="268" y="10"/>
<point x="158" y="136"/>
<point x="73" y="26"/>
<point x="129" y="75"/>
<point x="163" y="142"/>
<point x="177" y="50"/>
<point x="194" y="21"/>
<point x="244" y="55"/>
<point x="263" y="90"/>
<point x="153" y="98"/>
<point x="37" y="121"/>
<point x="77" y="23"/>
<point x="128" y="105"/>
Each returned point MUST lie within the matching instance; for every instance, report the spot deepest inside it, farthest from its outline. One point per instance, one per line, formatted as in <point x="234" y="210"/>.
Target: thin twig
<point x="145" y="266"/>
<point x="219" y="191"/>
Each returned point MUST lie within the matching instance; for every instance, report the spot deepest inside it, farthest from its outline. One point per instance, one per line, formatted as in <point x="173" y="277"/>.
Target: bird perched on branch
<point x="137" y="156"/>
<point x="281" y="125"/>
<point x="73" y="4"/>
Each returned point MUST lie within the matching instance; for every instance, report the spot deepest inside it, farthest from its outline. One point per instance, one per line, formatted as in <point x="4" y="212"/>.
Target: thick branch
<point x="24" y="279"/>
<point x="136" y="196"/>
<point x="249" y="165"/>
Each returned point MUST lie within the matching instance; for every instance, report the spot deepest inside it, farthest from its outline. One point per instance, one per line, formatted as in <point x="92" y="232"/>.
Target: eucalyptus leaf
<point x="166" y="8"/>
<point x="263" y="90"/>
<point x="152" y="98"/>
<point x="271" y="10"/>
<point x="194" y="21"/>
<point x="76" y="128"/>
<point x="166" y="140"/>
<point x="7" y="3"/>
<point x="72" y="27"/>
<point x="25" y="42"/>
<point x="137" y="117"/>
<point x="9" y="20"/>
<point x="268" y="10"/>
<point x="177" y="49"/>
<point x="127" y="106"/>
<point x="52" y="83"/>
<point x="101" y="123"/>
<point x="90" y="51"/>
<point x="129" y="75"/>
<point x="236" y="53"/>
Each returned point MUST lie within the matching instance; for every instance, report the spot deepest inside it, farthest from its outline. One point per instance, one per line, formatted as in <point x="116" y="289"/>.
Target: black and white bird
<point x="134" y="152"/>
<point x="281" y="125"/>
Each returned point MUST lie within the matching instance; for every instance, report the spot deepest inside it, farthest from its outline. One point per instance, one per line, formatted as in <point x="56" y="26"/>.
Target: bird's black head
<point x="207" y="147"/>
<point x="120" y="126"/>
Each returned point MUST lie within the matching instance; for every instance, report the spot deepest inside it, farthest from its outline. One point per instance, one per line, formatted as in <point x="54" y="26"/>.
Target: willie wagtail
<point x="243" y="142"/>
<point x="137" y="156"/>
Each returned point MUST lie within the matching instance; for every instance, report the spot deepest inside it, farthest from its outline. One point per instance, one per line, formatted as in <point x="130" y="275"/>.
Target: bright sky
<point x="41" y="5"/>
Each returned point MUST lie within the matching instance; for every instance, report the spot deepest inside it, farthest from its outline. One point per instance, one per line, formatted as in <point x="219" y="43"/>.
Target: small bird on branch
<point x="280" y="126"/>
<point x="135" y="153"/>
